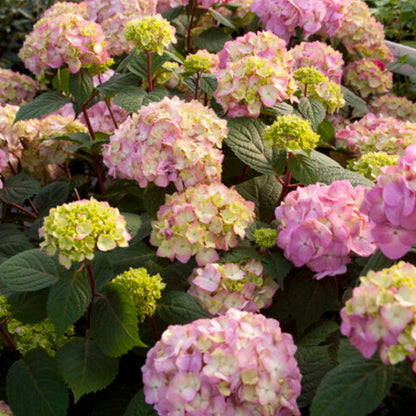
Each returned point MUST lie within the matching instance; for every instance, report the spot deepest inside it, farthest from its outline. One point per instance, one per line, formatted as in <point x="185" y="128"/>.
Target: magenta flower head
<point x="199" y="221"/>
<point x="168" y="141"/>
<point x="321" y="225"/>
<point x="381" y="314"/>
<point x="237" y="364"/>
<point x="391" y="206"/>
<point x="242" y="286"/>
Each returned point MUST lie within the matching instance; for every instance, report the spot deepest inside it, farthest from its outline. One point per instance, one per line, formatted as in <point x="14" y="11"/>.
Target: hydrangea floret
<point x="3" y="164"/>
<point x="367" y="77"/>
<point x="77" y="229"/>
<point x="291" y="133"/>
<point x="370" y="164"/>
<point x="320" y="56"/>
<point x="392" y="106"/>
<point x="5" y="409"/>
<point x="16" y="88"/>
<point x="266" y="237"/>
<point x="144" y="289"/>
<point x="240" y="363"/>
<point x="391" y="206"/>
<point x="242" y="286"/>
<point x="322" y="225"/>
<point x="168" y="141"/>
<point x="374" y="134"/>
<point x="382" y="314"/>
<point x="150" y="33"/>
<point x="314" y="84"/>
<point x="201" y="61"/>
<point x="199" y="221"/>
<point x="66" y="7"/>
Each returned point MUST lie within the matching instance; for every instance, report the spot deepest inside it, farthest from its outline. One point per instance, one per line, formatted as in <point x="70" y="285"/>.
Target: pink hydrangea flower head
<point x="66" y="39"/>
<point x="321" y="56"/>
<point x="391" y="206"/>
<point x="199" y="221"/>
<point x="392" y="106"/>
<point x="322" y="225"/>
<point x="17" y="88"/>
<point x="101" y="10"/>
<point x="282" y="17"/>
<point x="243" y="286"/>
<point x="168" y="141"/>
<point x="3" y="163"/>
<point x="77" y="229"/>
<point x="362" y="35"/>
<point x="381" y="314"/>
<point x="366" y="77"/>
<point x="376" y="134"/>
<point x="5" y="409"/>
<point x="240" y="363"/>
<point x="63" y="7"/>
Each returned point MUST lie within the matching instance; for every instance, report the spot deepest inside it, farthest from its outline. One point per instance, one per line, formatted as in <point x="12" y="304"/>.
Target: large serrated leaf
<point x="264" y="191"/>
<point x="376" y="262"/>
<point x="47" y="103"/>
<point x="131" y="99"/>
<point x="118" y="82"/>
<point x="35" y="388"/>
<point x="212" y="39"/>
<point x="28" y="307"/>
<point x="29" y="271"/>
<point x="329" y="174"/>
<point x="139" y="407"/>
<point x="139" y="226"/>
<point x="68" y="300"/>
<point x="138" y="64"/>
<point x="114" y="323"/>
<point x="314" y="363"/>
<point x="313" y="111"/>
<point x="85" y="368"/>
<point x="13" y="240"/>
<point x="245" y="138"/>
<point x="318" y="333"/>
<point x="221" y="18"/>
<point x="354" y="100"/>
<point x="180" y="308"/>
<point x="355" y="387"/>
<point x="277" y="266"/>
<point x="81" y="85"/>
<point x="51" y="196"/>
<point x="18" y="188"/>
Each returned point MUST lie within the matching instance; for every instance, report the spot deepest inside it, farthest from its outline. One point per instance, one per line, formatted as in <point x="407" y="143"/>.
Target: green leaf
<point x="13" y="240"/>
<point x="212" y="39"/>
<point x="355" y="387"/>
<point x="238" y="254"/>
<point x="29" y="271"/>
<point x="329" y="174"/>
<point x="376" y="262"/>
<point x="18" y="188"/>
<point x="310" y="298"/>
<point x="154" y="197"/>
<point x="114" y="324"/>
<point x="138" y="64"/>
<point x="207" y="83"/>
<point x="139" y="407"/>
<point x="85" y="368"/>
<point x="29" y="307"/>
<point x="221" y="19"/>
<point x="119" y="82"/>
<point x="179" y="308"/>
<point x="277" y="266"/>
<point x="314" y="363"/>
<point x="347" y="351"/>
<point x="44" y="104"/>
<point x="81" y="85"/>
<point x="34" y="386"/>
<point x="139" y="226"/>
<point x="279" y="109"/>
<point x="173" y="13"/>
<point x="327" y="131"/>
<point x="131" y="99"/>
<point x="60" y="81"/>
<point x="68" y="300"/>
<point x="319" y="333"/>
<point x="313" y="111"/>
<point x="245" y="138"/>
<point x="51" y="196"/>
<point x="264" y="191"/>
<point x="102" y="268"/>
<point x="354" y="100"/>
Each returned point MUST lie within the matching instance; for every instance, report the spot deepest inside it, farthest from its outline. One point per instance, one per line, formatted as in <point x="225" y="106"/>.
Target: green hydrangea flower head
<point x="370" y="164"/>
<point x="266" y="237"/>
<point x="202" y="61"/>
<point x="314" y="84"/>
<point x="150" y="33"/>
<point x="77" y="229"/>
<point x="144" y="289"/>
<point x="291" y="133"/>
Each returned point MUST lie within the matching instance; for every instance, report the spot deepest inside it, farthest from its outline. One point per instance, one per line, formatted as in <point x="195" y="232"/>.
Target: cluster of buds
<point x="255" y="70"/>
<point x="145" y="290"/>
<point x="320" y="226"/>
<point x="376" y="134"/>
<point x="244" y="286"/>
<point x="77" y="229"/>
<point x="391" y="206"/>
<point x="370" y="164"/>
<point x="16" y="88"/>
<point x="199" y="221"/>
<point x="202" y="61"/>
<point x="362" y="35"/>
<point x="283" y="17"/>
<point x="266" y="237"/>
<point x="291" y="133"/>
<point x="150" y="33"/>
<point x="382" y="314"/>
<point x="368" y="77"/>
<point x="398" y="107"/>
<point x="168" y="141"/>
<point x="320" y="56"/>
<point x="240" y="363"/>
<point x="314" y="84"/>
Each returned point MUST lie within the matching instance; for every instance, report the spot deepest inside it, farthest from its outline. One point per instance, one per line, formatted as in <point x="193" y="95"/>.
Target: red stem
<point x="149" y="70"/>
<point x="191" y="23"/>
<point x="153" y="327"/>
<point x="198" y="75"/>
<point x="286" y="183"/>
